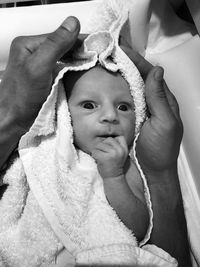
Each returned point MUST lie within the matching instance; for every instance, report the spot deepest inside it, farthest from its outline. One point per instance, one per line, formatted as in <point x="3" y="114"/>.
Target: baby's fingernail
<point x="71" y="24"/>
<point x="158" y="74"/>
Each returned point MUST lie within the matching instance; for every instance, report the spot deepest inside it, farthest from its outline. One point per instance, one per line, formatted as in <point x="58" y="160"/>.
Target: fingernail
<point x="70" y="24"/>
<point x="158" y="74"/>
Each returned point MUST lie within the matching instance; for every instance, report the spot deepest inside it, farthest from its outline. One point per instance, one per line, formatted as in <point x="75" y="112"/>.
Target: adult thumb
<point x="156" y="99"/>
<point x="57" y="43"/>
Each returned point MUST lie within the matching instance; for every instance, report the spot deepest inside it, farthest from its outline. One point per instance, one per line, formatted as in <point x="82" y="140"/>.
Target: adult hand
<point x="157" y="150"/>
<point x="27" y="80"/>
<point x="159" y="141"/>
<point x="28" y="77"/>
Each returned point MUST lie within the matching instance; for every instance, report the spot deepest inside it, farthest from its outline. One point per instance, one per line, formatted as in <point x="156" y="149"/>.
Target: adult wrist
<point x="9" y="123"/>
<point x="165" y="188"/>
<point x="115" y="181"/>
<point x="164" y="176"/>
<point x="14" y="113"/>
<point x="10" y="134"/>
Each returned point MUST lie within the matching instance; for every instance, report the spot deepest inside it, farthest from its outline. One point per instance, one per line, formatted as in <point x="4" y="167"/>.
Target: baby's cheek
<point x="129" y="141"/>
<point x="82" y="141"/>
<point x="129" y="133"/>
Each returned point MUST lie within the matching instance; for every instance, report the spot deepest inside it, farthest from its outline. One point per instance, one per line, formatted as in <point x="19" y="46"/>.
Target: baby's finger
<point x="122" y="141"/>
<point x="102" y="147"/>
<point x="117" y="147"/>
<point x="114" y="145"/>
<point x="98" y="154"/>
<point x="103" y="152"/>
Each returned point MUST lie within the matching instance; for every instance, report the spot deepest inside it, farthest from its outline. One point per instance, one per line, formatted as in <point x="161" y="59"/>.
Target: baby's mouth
<point x="104" y="136"/>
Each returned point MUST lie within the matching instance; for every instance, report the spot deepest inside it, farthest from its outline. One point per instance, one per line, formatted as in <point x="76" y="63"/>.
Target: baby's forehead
<point x="73" y="76"/>
<point x="93" y="77"/>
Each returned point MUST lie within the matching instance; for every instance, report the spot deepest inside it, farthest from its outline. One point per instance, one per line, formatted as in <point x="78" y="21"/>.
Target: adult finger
<point x="156" y="98"/>
<point x="27" y="45"/>
<point x="77" y="45"/>
<point x="172" y="102"/>
<point x="57" y="43"/>
<point x="142" y="64"/>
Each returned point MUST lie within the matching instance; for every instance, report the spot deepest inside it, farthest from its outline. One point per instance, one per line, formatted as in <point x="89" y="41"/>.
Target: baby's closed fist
<point x="110" y="156"/>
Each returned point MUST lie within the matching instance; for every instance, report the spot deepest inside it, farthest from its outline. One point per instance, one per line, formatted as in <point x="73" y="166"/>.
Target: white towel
<point x="55" y="199"/>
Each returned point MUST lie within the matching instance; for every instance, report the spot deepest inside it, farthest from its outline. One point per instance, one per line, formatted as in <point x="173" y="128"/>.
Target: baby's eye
<point x="124" y="107"/>
<point x="89" y="105"/>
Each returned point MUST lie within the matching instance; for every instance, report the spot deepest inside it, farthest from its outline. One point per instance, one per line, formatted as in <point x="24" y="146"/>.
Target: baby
<point x="103" y="119"/>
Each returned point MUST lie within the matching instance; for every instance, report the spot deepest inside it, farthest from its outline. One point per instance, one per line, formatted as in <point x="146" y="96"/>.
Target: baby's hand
<point x="111" y="155"/>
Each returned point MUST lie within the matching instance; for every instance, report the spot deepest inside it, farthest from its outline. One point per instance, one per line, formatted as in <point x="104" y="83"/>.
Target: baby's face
<point x="101" y="106"/>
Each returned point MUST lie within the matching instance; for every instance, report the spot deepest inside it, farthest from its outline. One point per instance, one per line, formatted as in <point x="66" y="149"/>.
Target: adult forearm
<point x="170" y="230"/>
<point x="10" y="134"/>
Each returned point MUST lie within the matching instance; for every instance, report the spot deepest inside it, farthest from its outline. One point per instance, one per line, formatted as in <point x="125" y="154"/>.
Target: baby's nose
<point x="109" y="114"/>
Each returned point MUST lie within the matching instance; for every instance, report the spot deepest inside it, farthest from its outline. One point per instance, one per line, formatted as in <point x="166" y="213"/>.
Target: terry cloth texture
<point x="55" y="199"/>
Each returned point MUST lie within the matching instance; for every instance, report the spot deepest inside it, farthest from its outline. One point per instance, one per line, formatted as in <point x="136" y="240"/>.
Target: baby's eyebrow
<point x="87" y="93"/>
<point x="123" y="98"/>
<point x="129" y="100"/>
<point x="85" y="97"/>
